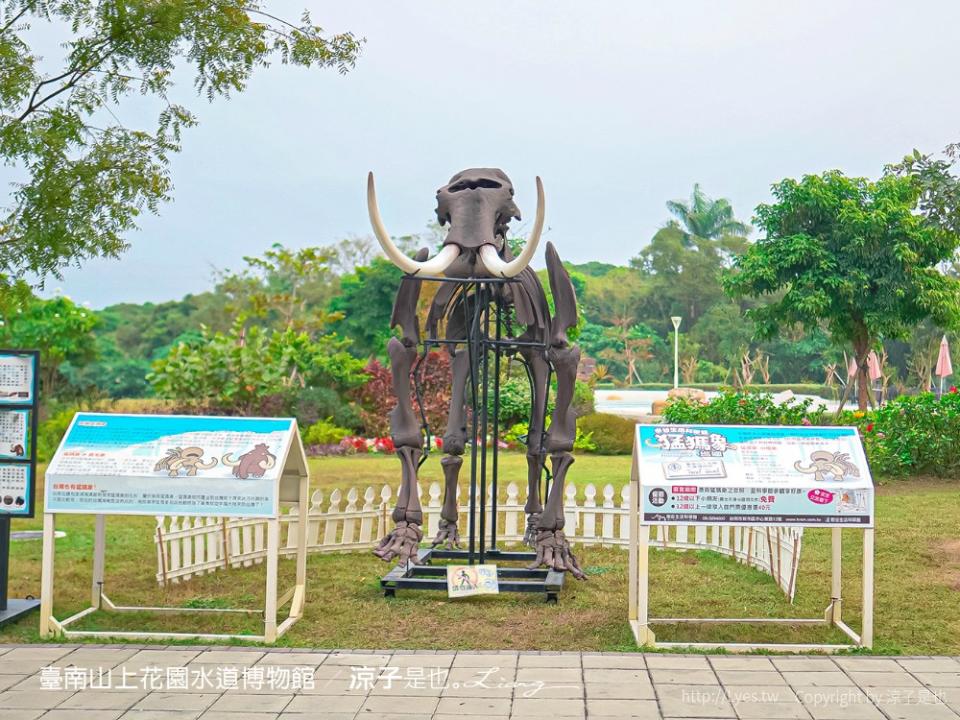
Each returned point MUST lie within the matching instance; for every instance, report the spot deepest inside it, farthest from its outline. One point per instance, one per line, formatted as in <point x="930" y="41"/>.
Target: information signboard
<point x="19" y="392"/>
<point x="169" y="465"/>
<point x="756" y="475"/>
<point x="215" y="467"/>
<point x="18" y="374"/>
<point x="19" y="378"/>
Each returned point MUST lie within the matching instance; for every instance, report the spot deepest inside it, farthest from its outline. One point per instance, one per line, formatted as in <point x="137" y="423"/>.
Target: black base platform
<point x="17" y="609"/>
<point x="425" y="576"/>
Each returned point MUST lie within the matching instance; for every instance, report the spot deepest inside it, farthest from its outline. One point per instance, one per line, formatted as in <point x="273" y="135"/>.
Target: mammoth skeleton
<point x="477" y="205"/>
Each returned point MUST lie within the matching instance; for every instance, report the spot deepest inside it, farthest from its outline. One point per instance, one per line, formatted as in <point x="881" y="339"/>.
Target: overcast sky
<point x="618" y="106"/>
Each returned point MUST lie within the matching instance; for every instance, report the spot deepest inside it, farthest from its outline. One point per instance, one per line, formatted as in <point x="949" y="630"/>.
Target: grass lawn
<point x="917" y="582"/>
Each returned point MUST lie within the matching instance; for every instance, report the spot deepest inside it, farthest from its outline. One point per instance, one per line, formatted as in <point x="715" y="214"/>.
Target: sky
<point x="617" y="106"/>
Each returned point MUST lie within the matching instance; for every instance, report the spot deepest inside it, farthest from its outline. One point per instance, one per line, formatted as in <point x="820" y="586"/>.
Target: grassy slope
<point x="917" y="579"/>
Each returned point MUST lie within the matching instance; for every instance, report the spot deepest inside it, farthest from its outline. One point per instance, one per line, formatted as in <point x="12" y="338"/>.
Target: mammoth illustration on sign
<point x="188" y="459"/>
<point x="253" y="463"/>
<point x="824" y="463"/>
<point x="477" y="205"/>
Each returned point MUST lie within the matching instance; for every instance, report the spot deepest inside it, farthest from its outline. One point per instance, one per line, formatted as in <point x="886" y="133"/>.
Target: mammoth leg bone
<point x="448" y="535"/>
<point x="454" y="442"/>
<point x="405" y="538"/>
<point x="553" y="549"/>
<point x="535" y="455"/>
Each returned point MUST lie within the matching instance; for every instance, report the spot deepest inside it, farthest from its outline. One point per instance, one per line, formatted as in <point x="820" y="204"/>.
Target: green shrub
<point x="514" y="400"/>
<point x="732" y="408"/>
<point x="582" y="399"/>
<point x="910" y="435"/>
<point x="610" y="434"/>
<point x="708" y="372"/>
<point x="913" y="435"/>
<point x="325" y="432"/>
<point x="51" y="431"/>
<point x="516" y="435"/>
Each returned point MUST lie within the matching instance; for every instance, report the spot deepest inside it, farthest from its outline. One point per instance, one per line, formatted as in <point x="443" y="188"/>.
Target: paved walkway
<point x="98" y="682"/>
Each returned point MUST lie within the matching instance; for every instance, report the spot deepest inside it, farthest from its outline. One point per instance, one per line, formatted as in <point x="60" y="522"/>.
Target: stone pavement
<point x="106" y="682"/>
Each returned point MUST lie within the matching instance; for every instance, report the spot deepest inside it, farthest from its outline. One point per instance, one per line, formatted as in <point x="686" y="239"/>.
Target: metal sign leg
<point x="866" y="632"/>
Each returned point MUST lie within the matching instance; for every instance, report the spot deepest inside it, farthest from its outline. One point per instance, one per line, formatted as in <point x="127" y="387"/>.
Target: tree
<point x="705" y="218"/>
<point x="285" y="288"/>
<point x="860" y="257"/>
<point x="84" y="175"/>
<point x="59" y="328"/>
<point x="251" y="370"/>
<point x="365" y="304"/>
<point x="683" y="275"/>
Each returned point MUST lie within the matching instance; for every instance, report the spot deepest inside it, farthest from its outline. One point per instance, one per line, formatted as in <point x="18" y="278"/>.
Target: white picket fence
<point x="188" y="546"/>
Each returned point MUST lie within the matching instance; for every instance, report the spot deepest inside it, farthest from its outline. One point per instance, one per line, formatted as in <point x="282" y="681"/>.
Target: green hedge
<point x="611" y="434"/>
<point x="910" y="435"/>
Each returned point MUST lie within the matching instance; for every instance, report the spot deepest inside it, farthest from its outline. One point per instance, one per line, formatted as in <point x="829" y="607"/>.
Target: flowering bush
<point x="914" y="435"/>
<point x="384" y="445"/>
<point x="910" y="435"/>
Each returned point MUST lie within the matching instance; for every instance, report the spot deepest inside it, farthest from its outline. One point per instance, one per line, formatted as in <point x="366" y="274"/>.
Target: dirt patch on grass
<point x="947" y="553"/>
<point x="920" y="484"/>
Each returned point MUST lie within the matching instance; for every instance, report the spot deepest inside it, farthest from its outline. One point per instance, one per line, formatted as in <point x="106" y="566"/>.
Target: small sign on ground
<point x="467" y="580"/>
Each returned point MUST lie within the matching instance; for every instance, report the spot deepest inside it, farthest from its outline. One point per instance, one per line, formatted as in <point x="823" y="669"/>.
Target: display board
<point x="19" y="379"/>
<point x="170" y="465"/>
<point x="753" y="475"/>
<point x="115" y="464"/>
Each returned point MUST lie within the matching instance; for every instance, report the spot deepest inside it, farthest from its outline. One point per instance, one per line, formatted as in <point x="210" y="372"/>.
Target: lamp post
<point x="676" y="350"/>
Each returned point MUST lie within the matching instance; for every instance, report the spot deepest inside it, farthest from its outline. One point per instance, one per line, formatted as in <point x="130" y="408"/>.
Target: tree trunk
<point x="861" y="349"/>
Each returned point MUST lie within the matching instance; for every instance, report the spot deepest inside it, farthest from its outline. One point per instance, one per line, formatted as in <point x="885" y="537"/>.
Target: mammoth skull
<point x="477" y="204"/>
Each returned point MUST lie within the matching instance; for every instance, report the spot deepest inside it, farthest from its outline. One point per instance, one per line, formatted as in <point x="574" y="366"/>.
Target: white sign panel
<point x="170" y="465"/>
<point x="469" y="580"/>
<point x="753" y="475"/>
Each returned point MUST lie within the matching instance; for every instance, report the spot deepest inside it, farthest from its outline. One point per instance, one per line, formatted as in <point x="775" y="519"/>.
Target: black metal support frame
<point x="482" y="385"/>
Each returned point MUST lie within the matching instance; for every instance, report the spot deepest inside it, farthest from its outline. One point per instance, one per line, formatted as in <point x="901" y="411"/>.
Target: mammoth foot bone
<point x="402" y="543"/>
<point x="554" y="552"/>
<point x="448" y="536"/>
<point x="530" y="535"/>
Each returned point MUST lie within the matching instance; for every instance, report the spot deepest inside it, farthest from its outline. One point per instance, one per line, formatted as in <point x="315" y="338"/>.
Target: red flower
<point x="953" y="388"/>
<point x="869" y="427"/>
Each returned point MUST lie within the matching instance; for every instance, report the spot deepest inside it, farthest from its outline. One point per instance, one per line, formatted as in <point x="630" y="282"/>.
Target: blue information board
<point x="171" y="465"/>
<point x="753" y="475"/>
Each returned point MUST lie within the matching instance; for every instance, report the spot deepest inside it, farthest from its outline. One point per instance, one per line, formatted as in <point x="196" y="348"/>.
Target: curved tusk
<point x="434" y="266"/>
<point x="228" y="460"/>
<point x="268" y="463"/>
<point x="496" y="265"/>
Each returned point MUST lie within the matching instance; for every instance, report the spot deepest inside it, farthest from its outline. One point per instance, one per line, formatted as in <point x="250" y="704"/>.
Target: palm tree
<point x="705" y="218"/>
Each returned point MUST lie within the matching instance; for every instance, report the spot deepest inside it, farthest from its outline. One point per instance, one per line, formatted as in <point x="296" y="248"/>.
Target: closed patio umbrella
<point x="944" y="366"/>
<point x="873" y="366"/>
